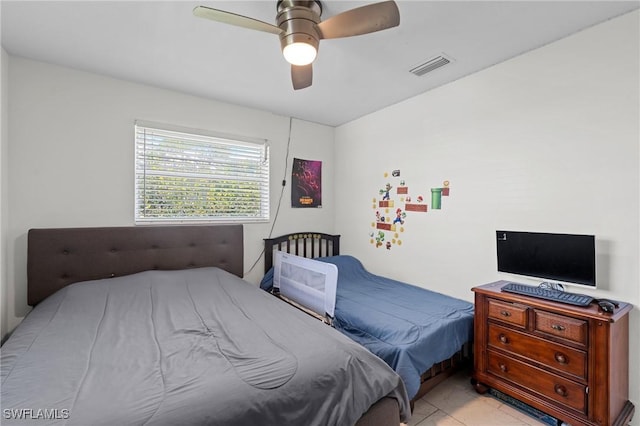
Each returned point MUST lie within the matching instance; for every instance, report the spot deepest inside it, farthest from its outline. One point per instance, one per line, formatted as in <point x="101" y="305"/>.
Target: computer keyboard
<point x="549" y="294"/>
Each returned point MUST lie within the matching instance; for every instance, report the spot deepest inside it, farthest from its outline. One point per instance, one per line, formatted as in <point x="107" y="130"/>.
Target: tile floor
<point x="454" y="402"/>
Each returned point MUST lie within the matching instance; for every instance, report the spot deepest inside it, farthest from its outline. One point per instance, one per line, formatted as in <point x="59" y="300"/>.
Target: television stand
<point x="571" y="362"/>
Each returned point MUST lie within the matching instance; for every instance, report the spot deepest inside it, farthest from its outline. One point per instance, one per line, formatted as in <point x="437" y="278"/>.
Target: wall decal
<point x="438" y="193"/>
<point x="306" y="183"/>
<point x="436" y="198"/>
<point x="391" y="210"/>
<point x="402" y="189"/>
<point x="445" y="189"/>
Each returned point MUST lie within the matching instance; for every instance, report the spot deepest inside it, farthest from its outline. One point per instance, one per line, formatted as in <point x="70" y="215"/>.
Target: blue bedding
<point x="409" y="327"/>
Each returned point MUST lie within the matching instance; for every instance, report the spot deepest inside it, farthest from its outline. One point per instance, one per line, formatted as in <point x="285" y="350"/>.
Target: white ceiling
<point x="161" y="43"/>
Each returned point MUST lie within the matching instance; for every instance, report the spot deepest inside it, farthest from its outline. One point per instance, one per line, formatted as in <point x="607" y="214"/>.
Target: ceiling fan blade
<point x="301" y="76"/>
<point x="233" y="19"/>
<point x="361" y="20"/>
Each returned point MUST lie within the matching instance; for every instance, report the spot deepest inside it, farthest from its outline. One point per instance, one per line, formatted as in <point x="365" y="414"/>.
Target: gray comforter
<point x="192" y="347"/>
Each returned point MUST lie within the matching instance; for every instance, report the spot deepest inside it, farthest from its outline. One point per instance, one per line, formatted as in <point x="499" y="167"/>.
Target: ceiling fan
<point x="300" y="29"/>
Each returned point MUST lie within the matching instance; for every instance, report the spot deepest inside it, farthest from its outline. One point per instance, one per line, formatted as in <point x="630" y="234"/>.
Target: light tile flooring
<point x="454" y="402"/>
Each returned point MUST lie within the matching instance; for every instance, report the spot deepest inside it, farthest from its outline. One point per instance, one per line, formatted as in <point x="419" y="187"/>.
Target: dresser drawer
<point x="562" y="391"/>
<point x="562" y="326"/>
<point x="555" y="356"/>
<point x="508" y="312"/>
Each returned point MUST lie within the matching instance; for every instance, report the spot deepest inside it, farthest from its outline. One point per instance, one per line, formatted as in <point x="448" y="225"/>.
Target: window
<point x="191" y="176"/>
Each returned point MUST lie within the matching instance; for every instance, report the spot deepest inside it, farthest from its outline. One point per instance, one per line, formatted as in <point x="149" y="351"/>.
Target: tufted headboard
<point x="59" y="257"/>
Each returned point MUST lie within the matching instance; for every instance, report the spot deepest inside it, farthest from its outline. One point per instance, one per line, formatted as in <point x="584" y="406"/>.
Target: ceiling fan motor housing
<point x="298" y="19"/>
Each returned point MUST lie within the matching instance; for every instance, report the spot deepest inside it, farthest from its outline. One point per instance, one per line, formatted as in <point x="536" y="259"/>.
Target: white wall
<point x="71" y="157"/>
<point x="4" y="285"/>
<point x="548" y="141"/>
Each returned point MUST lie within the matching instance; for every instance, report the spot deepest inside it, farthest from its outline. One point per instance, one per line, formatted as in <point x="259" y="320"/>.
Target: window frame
<point x="219" y="141"/>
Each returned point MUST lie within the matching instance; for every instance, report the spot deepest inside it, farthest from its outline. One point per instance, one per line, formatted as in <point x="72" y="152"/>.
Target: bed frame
<point x="317" y="244"/>
<point x="305" y="244"/>
<point x="58" y="257"/>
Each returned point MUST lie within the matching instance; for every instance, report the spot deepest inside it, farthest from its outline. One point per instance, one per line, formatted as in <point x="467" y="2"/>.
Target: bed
<point x="425" y="336"/>
<point x="154" y="326"/>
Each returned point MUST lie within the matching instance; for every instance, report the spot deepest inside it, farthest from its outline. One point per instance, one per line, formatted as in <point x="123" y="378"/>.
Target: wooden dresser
<point x="568" y="361"/>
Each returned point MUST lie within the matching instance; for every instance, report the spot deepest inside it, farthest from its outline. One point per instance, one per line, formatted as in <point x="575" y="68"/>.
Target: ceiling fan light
<point x="299" y="53"/>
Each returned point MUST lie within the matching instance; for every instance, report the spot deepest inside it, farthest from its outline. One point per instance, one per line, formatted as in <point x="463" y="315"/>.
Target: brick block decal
<point x="416" y="208"/>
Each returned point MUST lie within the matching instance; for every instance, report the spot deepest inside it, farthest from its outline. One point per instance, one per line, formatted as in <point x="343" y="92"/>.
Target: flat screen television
<point x="568" y="258"/>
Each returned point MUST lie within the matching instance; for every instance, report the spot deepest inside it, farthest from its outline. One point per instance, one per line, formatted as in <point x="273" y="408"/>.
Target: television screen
<point x="563" y="257"/>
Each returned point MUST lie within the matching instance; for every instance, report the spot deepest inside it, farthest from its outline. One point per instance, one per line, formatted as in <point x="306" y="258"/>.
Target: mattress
<point x="192" y="347"/>
<point x="409" y="327"/>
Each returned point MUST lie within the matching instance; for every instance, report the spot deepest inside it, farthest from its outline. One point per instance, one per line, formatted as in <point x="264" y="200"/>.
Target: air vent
<point x="430" y="65"/>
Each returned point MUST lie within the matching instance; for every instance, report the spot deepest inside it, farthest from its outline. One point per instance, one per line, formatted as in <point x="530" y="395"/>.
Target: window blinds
<point x="182" y="176"/>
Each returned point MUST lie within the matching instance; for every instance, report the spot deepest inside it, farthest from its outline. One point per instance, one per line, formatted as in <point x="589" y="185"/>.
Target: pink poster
<point x="306" y="183"/>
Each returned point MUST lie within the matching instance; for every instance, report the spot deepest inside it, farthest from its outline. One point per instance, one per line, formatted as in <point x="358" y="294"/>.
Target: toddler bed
<point x="154" y="326"/>
<point x="423" y="335"/>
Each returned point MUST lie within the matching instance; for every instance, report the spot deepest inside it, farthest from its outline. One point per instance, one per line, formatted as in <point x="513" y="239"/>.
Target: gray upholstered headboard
<point x="59" y="257"/>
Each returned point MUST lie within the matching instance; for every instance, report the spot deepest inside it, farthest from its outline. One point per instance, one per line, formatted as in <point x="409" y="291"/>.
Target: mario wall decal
<point x="391" y="219"/>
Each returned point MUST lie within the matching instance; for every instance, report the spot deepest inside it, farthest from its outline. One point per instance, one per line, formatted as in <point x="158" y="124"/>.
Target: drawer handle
<point x="561" y="358"/>
<point x="560" y="390"/>
<point x="504" y="339"/>
<point x="557" y="327"/>
<point x="503" y="367"/>
<point x="505" y="313"/>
